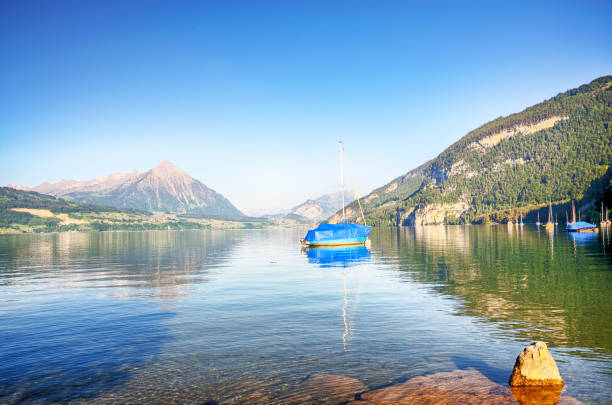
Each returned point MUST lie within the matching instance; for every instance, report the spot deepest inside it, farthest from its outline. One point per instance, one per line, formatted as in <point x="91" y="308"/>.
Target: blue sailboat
<point x="342" y="234"/>
<point x="579" y="226"/>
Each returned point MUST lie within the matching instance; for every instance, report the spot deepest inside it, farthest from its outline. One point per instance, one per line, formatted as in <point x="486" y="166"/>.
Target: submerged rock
<point x="256" y="398"/>
<point x="455" y="387"/>
<point x="333" y="388"/>
<point x="461" y="387"/>
<point x="324" y="389"/>
<point x="535" y="366"/>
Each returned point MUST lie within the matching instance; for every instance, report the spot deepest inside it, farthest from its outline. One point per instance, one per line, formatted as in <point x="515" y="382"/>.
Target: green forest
<point x="517" y="174"/>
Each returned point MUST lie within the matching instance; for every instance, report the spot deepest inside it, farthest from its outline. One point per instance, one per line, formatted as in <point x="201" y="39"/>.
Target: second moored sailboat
<point x="550" y="223"/>
<point x="579" y="226"/>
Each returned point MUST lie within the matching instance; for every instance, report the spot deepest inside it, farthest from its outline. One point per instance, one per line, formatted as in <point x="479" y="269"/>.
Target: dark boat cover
<point x="326" y="232"/>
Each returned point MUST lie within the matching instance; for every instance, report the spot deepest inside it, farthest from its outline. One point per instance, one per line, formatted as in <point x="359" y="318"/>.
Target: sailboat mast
<point x="573" y="212"/>
<point x="550" y="212"/>
<point x="342" y="177"/>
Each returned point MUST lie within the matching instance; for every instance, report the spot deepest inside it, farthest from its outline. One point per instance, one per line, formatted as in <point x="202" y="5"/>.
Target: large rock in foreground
<point x="535" y="366"/>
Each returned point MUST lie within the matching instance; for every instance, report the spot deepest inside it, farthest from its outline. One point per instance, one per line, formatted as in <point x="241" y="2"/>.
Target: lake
<point x="224" y="316"/>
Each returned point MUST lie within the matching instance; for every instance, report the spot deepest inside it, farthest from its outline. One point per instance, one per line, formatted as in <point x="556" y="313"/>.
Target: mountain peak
<point x="165" y="168"/>
<point x="165" y="163"/>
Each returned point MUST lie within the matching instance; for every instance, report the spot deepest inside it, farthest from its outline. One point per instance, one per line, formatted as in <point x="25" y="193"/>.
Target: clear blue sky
<point x="251" y="97"/>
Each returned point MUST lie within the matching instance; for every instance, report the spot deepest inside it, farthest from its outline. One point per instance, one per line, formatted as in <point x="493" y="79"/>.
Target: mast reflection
<point x="342" y="257"/>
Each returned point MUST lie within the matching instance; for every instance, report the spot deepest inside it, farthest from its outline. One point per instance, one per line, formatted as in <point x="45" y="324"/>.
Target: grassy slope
<point x="27" y="211"/>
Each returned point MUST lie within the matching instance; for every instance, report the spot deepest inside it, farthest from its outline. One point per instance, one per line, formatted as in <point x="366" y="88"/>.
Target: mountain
<point x="28" y="211"/>
<point x="557" y="150"/>
<point x="320" y="208"/>
<point x="164" y="188"/>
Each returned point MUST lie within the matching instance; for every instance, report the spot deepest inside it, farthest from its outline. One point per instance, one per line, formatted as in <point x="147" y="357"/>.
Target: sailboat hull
<point x="337" y="242"/>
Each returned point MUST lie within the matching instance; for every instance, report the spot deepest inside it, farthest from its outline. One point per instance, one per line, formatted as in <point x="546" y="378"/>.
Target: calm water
<point x="200" y="316"/>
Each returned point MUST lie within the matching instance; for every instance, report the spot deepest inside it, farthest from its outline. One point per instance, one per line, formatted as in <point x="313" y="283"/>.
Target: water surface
<point x="196" y="316"/>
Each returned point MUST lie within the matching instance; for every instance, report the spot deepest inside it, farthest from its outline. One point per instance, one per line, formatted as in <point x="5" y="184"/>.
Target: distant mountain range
<point x="164" y="188"/>
<point x="321" y="207"/>
<point x="557" y="150"/>
<point x="315" y="210"/>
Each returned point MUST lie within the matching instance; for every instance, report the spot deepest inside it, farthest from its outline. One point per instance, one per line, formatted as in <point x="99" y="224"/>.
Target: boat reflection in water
<point x="583" y="238"/>
<point x="339" y="256"/>
<point x="343" y="257"/>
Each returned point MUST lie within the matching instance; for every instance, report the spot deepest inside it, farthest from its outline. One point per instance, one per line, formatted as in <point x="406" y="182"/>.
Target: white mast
<point x="342" y="177"/>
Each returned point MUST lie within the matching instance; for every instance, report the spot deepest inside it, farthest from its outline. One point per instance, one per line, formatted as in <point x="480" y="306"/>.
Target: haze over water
<point x="217" y="315"/>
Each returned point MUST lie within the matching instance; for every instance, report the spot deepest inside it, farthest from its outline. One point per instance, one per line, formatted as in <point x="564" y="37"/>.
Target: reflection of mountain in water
<point x="150" y="263"/>
<point x="70" y="339"/>
<point x="535" y="285"/>
<point x="438" y="237"/>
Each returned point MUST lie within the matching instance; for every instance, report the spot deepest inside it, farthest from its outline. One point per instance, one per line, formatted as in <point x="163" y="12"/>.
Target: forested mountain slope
<point x="557" y="150"/>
